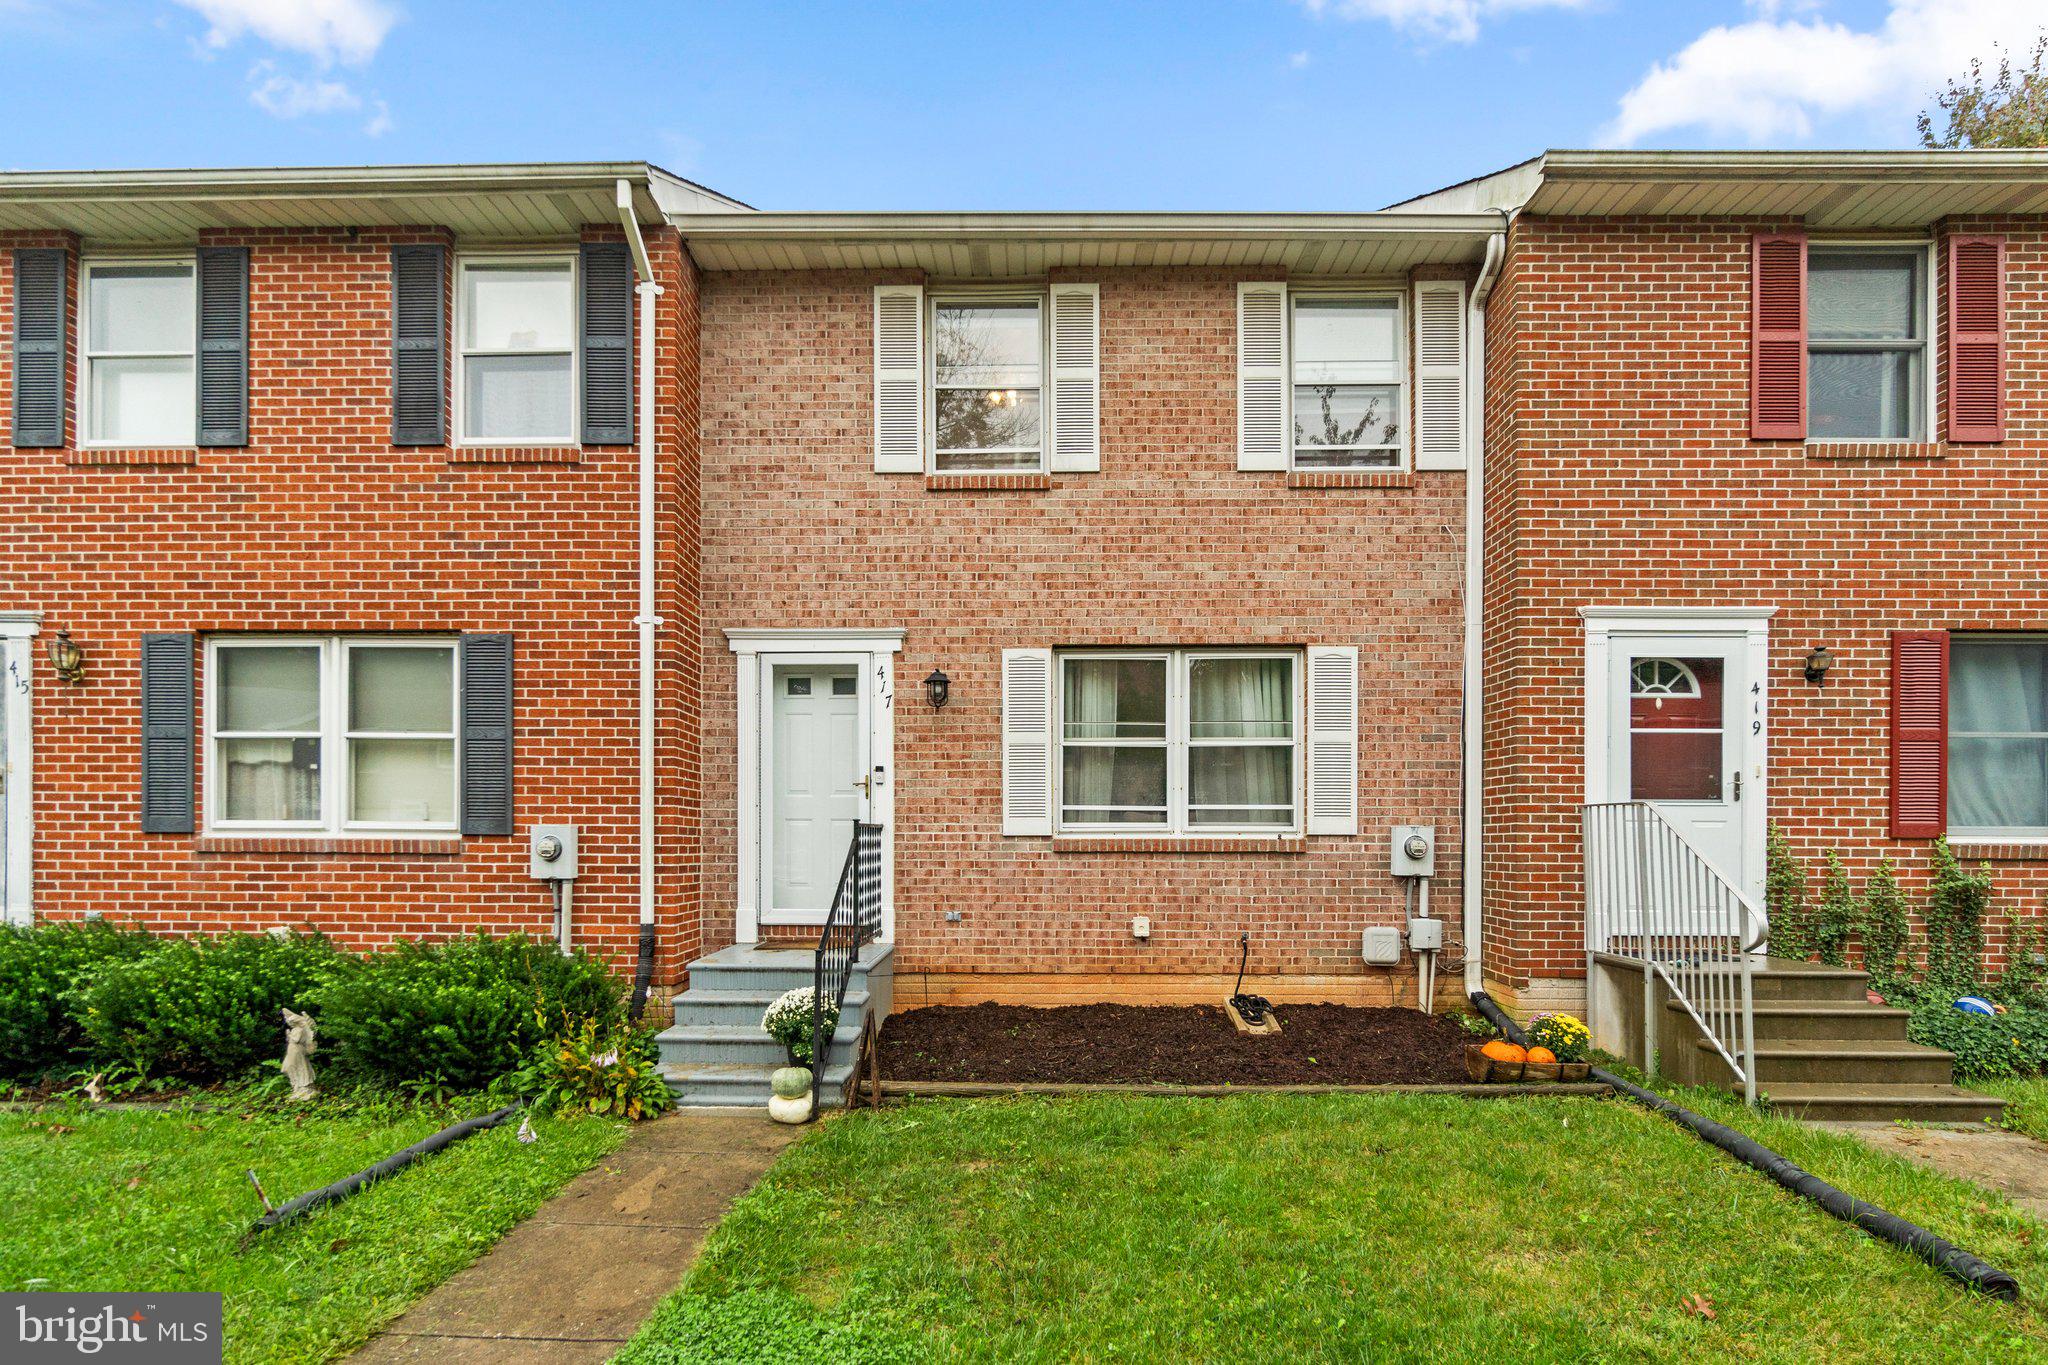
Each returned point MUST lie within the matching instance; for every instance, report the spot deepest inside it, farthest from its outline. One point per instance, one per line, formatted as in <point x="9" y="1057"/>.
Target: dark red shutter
<point x="1777" y="336"/>
<point x="1976" y="338"/>
<point x="1919" y="734"/>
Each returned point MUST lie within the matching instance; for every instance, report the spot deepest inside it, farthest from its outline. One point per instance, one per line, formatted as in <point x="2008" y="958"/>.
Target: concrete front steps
<point x="716" y="1053"/>
<point x="1823" y="1051"/>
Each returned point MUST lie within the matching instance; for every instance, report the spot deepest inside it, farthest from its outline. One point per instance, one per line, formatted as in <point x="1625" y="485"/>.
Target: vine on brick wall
<point x="1835" y="919"/>
<point x="1785" y="898"/>
<point x="1956" y="904"/>
<point x="1884" y="926"/>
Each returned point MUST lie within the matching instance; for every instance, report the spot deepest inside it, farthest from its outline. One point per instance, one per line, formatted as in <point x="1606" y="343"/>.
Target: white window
<point x="136" y="381"/>
<point x="988" y="367"/>
<point x="1179" y="741"/>
<point x="516" y="362"/>
<point x="337" y="734"/>
<point x="1867" y="370"/>
<point x="1998" y="736"/>
<point x="1348" y="396"/>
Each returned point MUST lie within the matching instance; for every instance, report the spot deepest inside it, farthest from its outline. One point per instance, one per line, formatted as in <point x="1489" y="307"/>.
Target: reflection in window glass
<point x="1675" y="734"/>
<point x="986" y="374"/>
<point x="1347" y="381"/>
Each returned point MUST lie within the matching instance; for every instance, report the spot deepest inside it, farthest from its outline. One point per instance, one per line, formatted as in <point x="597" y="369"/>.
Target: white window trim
<point x="461" y="354"/>
<point x="1404" y="385"/>
<point x="83" y="391"/>
<point x="1178" y="743"/>
<point x="936" y="298"/>
<point x="1930" y="323"/>
<point x="335" y="777"/>
<point x="1985" y="834"/>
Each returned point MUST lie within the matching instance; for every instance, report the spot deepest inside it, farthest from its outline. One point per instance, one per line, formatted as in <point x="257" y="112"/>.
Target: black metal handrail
<point x="855" y="917"/>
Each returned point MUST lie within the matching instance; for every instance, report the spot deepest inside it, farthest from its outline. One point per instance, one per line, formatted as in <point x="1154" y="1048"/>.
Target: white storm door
<point x="1679" y="737"/>
<point x="817" y="735"/>
<point x="17" y="813"/>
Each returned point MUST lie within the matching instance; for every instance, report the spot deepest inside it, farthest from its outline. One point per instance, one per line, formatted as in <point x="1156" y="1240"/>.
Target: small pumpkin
<point x="789" y="1082"/>
<point x="1542" y="1055"/>
<point x="1503" y="1051"/>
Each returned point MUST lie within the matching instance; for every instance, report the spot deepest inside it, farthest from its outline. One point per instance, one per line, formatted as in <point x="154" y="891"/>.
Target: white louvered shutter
<point x="1076" y="378"/>
<point x="1262" y="430"/>
<point x="1440" y="413"/>
<point x="1333" y="739"/>
<point x="1027" y="741"/>
<point x="899" y="379"/>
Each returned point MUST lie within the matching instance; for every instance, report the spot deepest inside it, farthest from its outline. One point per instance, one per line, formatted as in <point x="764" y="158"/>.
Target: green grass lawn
<point x="131" y="1199"/>
<point x="1330" y="1228"/>
<point x="2026" y="1102"/>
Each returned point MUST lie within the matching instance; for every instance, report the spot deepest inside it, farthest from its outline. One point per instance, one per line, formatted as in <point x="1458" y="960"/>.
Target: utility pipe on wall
<point x="646" y="291"/>
<point x="1470" y="863"/>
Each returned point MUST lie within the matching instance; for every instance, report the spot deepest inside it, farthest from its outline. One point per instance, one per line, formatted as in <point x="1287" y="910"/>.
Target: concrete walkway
<point x="575" y="1281"/>
<point x="2012" y="1163"/>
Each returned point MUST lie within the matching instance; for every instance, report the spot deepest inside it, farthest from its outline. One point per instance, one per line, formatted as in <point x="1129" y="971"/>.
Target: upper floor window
<point x="1998" y="736"/>
<point x="137" y="385"/>
<point x="988" y="367"/>
<point x="1179" y="741"/>
<point x="516" y="365"/>
<point x="335" y="734"/>
<point x="1867" y="342"/>
<point x="1347" y="380"/>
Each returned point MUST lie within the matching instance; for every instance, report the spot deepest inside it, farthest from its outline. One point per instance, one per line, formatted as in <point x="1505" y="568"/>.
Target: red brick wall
<point x="1168" y="545"/>
<point x="322" y="525"/>
<point x="1621" y="471"/>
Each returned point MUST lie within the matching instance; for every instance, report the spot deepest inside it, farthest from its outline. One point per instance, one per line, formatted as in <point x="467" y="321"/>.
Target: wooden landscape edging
<point x="901" y="1090"/>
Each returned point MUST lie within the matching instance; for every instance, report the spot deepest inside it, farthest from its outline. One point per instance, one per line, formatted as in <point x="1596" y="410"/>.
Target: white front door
<point x="816" y="784"/>
<point x="1685" y="732"/>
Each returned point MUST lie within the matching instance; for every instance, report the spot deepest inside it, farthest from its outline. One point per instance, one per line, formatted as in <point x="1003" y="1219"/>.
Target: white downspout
<point x="1470" y="883"/>
<point x="646" y="291"/>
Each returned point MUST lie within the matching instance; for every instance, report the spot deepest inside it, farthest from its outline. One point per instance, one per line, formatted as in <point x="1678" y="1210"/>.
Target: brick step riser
<point x="1853" y="1071"/>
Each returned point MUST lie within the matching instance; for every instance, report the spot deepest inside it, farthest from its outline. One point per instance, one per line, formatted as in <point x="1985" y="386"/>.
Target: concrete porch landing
<point x="575" y="1281"/>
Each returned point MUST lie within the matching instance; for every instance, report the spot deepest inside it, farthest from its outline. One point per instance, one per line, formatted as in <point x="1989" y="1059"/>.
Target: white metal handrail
<point x="1652" y="898"/>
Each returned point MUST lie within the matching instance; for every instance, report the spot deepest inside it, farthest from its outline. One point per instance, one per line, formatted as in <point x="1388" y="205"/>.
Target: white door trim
<point x="1751" y="626"/>
<point x="758" y="651"/>
<point x="17" y="802"/>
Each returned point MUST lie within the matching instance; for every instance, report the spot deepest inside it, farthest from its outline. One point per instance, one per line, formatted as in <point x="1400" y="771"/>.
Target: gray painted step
<point x="1848" y="1061"/>
<point x="740" y="1044"/>
<point x="1782" y="1019"/>
<point x="1913" y="1103"/>
<point x="743" y="968"/>
<point x="742" y="1008"/>
<point x="745" y="1087"/>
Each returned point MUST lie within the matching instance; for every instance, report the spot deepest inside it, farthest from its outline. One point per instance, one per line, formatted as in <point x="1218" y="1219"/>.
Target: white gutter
<point x="1471" y="887"/>
<point x="646" y="292"/>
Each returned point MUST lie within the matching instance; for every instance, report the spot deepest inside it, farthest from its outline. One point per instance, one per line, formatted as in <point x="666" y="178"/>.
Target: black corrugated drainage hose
<point x="1943" y="1255"/>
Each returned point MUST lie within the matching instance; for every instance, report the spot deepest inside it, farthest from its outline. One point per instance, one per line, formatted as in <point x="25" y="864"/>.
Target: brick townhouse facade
<point x="1176" y="505"/>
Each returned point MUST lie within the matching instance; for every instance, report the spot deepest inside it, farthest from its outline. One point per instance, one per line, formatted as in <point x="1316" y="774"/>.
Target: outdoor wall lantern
<point x="938" y="689"/>
<point x="1818" y="662"/>
<point x="67" y="658"/>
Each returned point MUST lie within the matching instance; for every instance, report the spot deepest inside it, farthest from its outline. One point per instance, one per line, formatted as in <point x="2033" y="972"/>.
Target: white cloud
<point x="328" y="31"/>
<point x="1297" y="60"/>
<point x="288" y="96"/>
<point x="1454" y="21"/>
<point x="1771" y="77"/>
<point x="380" y="121"/>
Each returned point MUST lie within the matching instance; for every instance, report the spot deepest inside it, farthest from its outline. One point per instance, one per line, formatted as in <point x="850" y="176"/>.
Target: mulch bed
<point x="1185" y="1045"/>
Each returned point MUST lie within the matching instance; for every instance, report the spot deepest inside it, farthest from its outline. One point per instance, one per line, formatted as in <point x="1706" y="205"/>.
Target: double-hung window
<point x="1998" y="736"/>
<point x="988" y="369"/>
<point x="516" y="378"/>
<point x="1348" y="397"/>
<point x="1866" y="346"/>
<point x="1179" y="741"/>
<point x="336" y="734"/>
<point x="137" y="384"/>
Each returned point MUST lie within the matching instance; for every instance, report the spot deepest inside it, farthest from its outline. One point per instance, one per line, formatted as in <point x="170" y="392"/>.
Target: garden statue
<point x="299" y="1046"/>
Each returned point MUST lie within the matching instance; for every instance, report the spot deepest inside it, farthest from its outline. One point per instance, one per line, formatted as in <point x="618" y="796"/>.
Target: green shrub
<point x="39" y="968"/>
<point x="202" y="1008"/>
<point x="610" y="1070"/>
<point x="2011" y="1044"/>
<point x="463" y="1012"/>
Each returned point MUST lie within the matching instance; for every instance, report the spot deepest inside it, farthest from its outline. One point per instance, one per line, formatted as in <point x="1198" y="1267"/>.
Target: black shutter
<point x="486" y="734"/>
<point x="39" y="275"/>
<point x="224" y="346"/>
<point x="607" y="328"/>
<point x="167" y="734"/>
<point x="419" y="331"/>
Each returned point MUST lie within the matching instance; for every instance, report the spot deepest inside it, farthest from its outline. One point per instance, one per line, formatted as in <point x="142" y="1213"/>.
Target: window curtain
<point x="272" y="779"/>
<point x="1116" y="699"/>
<point x="1998" y="735"/>
<point x="1241" y="699"/>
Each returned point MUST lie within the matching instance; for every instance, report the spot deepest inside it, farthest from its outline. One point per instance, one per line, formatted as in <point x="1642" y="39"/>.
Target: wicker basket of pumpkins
<point x="1556" y="1052"/>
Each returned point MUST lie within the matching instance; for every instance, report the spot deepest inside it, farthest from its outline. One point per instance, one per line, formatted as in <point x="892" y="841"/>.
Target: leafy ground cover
<point x="157" y="1199"/>
<point x="1330" y="1227"/>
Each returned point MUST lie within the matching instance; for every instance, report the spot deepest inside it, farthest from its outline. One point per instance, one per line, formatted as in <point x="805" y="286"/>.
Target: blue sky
<point x="1236" y="104"/>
